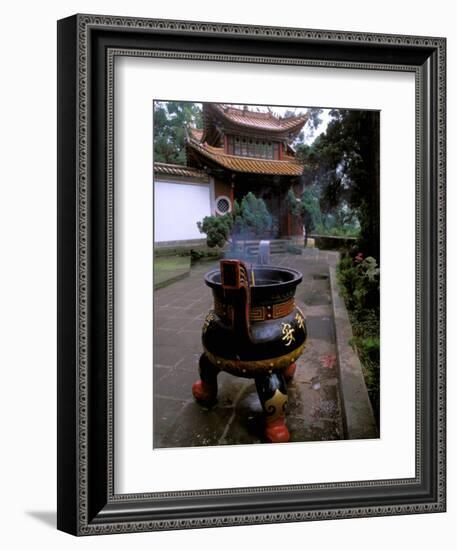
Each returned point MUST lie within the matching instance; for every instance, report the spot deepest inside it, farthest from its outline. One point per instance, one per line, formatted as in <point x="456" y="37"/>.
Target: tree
<point x="344" y="164"/>
<point x="306" y="208"/>
<point x="170" y="121"/>
<point x="250" y="218"/>
<point x="217" y="229"/>
<point x="314" y="120"/>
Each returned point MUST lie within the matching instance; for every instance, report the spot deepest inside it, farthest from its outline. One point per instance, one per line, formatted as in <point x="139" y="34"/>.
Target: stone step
<point x="277" y="246"/>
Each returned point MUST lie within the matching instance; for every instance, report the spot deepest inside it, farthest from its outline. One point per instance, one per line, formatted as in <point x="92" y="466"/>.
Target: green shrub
<point x="366" y="322"/>
<point x="368" y="348"/>
<point x="359" y="280"/>
<point x="217" y="229"/>
<point x="337" y="231"/>
<point x="197" y="254"/>
<point x="249" y="219"/>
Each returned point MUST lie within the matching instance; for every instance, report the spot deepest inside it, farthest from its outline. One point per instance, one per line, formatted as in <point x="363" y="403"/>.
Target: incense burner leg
<point x="272" y="392"/>
<point x="205" y="389"/>
<point x="289" y="372"/>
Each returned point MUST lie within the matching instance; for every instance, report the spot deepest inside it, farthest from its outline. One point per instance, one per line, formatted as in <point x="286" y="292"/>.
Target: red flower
<point x="359" y="257"/>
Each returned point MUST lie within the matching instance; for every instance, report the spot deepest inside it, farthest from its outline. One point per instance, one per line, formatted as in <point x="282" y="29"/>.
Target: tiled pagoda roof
<point x="264" y="120"/>
<point x="287" y="167"/>
<point x="219" y="118"/>
<point x="179" y="170"/>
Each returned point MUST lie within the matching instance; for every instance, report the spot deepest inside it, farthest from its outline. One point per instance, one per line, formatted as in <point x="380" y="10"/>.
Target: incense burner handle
<point x="237" y="289"/>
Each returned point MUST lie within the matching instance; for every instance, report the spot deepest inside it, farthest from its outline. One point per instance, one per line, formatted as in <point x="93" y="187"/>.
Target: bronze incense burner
<point x="256" y="331"/>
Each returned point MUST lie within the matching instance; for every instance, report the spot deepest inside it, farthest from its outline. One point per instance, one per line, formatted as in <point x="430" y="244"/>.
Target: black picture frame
<point x="87" y="45"/>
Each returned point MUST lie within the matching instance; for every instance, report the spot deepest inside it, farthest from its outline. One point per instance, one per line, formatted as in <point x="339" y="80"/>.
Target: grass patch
<point x="168" y="269"/>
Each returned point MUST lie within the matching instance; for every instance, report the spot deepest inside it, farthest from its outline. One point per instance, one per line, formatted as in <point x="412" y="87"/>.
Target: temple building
<point x="238" y="150"/>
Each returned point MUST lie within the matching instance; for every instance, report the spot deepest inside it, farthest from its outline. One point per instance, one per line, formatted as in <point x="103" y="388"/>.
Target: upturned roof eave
<point x="283" y="131"/>
<point x="252" y="165"/>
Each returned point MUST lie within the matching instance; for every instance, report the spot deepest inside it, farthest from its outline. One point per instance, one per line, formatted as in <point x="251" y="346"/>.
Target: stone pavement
<point x="314" y="409"/>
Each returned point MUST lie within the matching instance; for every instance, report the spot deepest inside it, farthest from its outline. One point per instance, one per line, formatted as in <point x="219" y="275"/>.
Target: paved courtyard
<point x="314" y="409"/>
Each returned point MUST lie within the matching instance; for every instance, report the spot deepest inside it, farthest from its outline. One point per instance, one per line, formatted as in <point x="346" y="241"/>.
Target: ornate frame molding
<point x="86" y="508"/>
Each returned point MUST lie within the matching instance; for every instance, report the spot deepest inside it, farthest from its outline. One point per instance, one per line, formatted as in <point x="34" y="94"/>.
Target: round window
<point x="223" y="205"/>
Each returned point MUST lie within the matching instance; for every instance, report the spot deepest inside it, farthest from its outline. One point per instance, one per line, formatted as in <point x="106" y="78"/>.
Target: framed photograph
<point x="261" y="181"/>
<point x="251" y="271"/>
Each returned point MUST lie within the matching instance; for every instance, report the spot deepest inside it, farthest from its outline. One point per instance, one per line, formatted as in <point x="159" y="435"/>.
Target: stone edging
<point x="358" y="418"/>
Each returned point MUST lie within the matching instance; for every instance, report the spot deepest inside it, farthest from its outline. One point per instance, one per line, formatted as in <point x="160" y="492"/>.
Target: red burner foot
<point x="289" y="372"/>
<point x="203" y="392"/>
<point x="276" y="431"/>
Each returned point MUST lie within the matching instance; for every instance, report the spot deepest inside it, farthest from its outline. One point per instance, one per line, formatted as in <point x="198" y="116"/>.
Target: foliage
<point x="341" y="222"/>
<point x="217" y="229"/>
<point x="366" y="323"/>
<point x="170" y="121"/>
<point x="359" y="283"/>
<point x="251" y="217"/>
<point x="368" y="347"/>
<point x="336" y="231"/>
<point x="306" y="208"/>
<point x="368" y="351"/>
<point x="359" y="279"/>
<point x="344" y="164"/>
<point x="314" y="120"/>
<point x="197" y="254"/>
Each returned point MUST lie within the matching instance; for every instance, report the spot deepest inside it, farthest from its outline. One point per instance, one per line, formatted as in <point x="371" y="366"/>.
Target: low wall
<point x="178" y="248"/>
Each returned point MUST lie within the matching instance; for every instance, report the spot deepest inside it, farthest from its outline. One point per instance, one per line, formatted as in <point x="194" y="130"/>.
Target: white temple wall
<point x="178" y="207"/>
